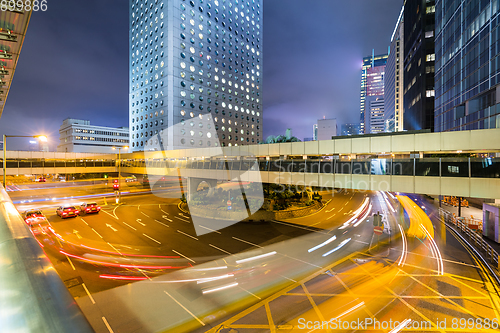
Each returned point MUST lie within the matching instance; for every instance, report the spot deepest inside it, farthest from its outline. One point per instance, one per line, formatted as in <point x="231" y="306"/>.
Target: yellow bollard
<point x="105" y="203"/>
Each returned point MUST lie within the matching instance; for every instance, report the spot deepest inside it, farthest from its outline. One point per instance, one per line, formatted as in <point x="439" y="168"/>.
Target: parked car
<point x="90" y="207"/>
<point x="41" y="180"/>
<point x="67" y="211"/>
<point x="33" y="216"/>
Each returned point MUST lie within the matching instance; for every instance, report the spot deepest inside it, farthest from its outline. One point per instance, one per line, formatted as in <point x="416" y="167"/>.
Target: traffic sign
<point x="229" y="202"/>
<point x="228" y="207"/>
<point x="378" y="230"/>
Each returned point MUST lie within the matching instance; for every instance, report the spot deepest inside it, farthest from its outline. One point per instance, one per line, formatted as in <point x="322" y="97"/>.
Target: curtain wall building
<point x="393" y="81"/>
<point x="467" y="65"/>
<point x="419" y="59"/>
<point x="195" y="73"/>
<point x="368" y="63"/>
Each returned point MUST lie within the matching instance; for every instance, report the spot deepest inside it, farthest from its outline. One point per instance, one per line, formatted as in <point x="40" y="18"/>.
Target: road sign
<point x="228" y="207"/>
<point x="229" y="202"/>
<point x="377" y="219"/>
<point x="378" y="230"/>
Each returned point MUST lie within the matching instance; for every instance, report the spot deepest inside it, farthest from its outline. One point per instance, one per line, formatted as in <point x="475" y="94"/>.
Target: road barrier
<point x="474" y="234"/>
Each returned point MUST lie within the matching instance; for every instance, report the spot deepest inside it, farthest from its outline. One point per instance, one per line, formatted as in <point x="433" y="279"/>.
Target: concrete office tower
<point x="467" y="78"/>
<point x="419" y="58"/>
<point x="327" y="128"/>
<point x="368" y="62"/>
<point x="393" y="80"/>
<point x="196" y="65"/>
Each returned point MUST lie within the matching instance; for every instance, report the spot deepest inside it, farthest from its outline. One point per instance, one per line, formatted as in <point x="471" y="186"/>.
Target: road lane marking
<point x="249" y="292"/>
<point x="164" y="212"/>
<point x="183" y="256"/>
<point x="299" y="227"/>
<point x="139" y="221"/>
<point x="166" y="218"/>
<point x="187" y="235"/>
<point x="182" y="306"/>
<point x="328" y="211"/>
<point x="128" y="225"/>
<point x="209" y="229"/>
<point x="144" y="214"/>
<point x="107" y="325"/>
<point x="77" y="233"/>
<point x="70" y="263"/>
<point x="152" y="239"/>
<point x="162" y="224"/>
<point x="244" y="241"/>
<point x="88" y="293"/>
<point x="115" y="248"/>
<point x="97" y="233"/>
<point x="215" y="247"/>
<point x="84" y="221"/>
<point x="181" y="219"/>
<point x="111" y="227"/>
<point x="109" y="214"/>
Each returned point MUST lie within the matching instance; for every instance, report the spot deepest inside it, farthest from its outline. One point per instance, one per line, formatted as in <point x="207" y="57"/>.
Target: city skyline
<point x="92" y="58"/>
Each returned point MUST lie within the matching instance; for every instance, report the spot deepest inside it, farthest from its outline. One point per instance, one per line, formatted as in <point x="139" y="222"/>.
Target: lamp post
<point x="42" y="138"/>
<point x="119" y="171"/>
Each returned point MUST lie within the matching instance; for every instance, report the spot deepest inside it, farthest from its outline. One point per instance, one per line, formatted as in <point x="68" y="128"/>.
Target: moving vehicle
<point x="41" y="180"/>
<point x="89" y="207"/>
<point x="34" y="216"/>
<point x="67" y="211"/>
<point x="130" y="179"/>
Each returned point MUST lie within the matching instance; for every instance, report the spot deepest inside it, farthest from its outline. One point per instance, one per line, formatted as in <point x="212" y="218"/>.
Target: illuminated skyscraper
<point x="393" y="81"/>
<point x="196" y="65"/>
<point x="368" y="62"/>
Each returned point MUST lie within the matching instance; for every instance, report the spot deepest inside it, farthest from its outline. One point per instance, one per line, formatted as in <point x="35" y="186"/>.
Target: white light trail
<point x="402" y="259"/>
<point x="220" y="288"/>
<point x="322" y="244"/>
<point x="344" y="242"/>
<point x="256" y="257"/>
<point x="436" y="251"/>
<point x="350" y="310"/>
<point x="398" y="328"/>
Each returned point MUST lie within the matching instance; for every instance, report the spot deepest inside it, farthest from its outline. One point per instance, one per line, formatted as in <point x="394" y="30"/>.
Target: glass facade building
<point x="196" y="70"/>
<point x="368" y="62"/>
<point x="393" y="81"/>
<point x="419" y="59"/>
<point x="467" y="65"/>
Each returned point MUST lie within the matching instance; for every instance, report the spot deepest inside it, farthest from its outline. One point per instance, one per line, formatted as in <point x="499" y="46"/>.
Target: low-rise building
<point x="78" y="136"/>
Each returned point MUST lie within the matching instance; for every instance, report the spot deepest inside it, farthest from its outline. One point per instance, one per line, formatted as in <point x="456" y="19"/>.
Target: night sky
<point x="74" y="63"/>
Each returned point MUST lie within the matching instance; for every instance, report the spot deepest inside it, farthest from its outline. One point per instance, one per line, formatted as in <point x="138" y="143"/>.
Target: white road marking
<point x="183" y="256"/>
<point x="97" y="233"/>
<point x="70" y="263"/>
<point x="102" y="210"/>
<point x="152" y="239"/>
<point x="244" y="241"/>
<point x="107" y="325"/>
<point x="180" y="219"/>
<point x="84" y="221"/>
<point x="296" y="226"/>
<point x="162" y="223"/>
<point x="88" y="293"/>
<point x="139" y="221"/>
<point x="182" y="306"/>
<point x="249" y="292"/>
<point x="164" y="212"/>
<point x="328" y="211"/>
<point x="128" y="225"/>
<point x="209" y="229"/>
<point x="114" y="248"/>
<point x="361" y="242"/>
<point x="215" y="247"/>
<point x="111" y="227"/>
<point x="187" y="234"/>
<point x="166" y="218"/>
<point x="144" y="214"/>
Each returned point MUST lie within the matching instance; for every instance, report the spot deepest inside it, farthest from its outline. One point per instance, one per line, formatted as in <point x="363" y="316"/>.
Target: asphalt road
<point x="104" y="250"/>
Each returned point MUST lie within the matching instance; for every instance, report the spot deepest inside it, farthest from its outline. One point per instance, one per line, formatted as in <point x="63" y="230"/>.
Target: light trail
<point x="350" y="310"/>
<point x="322" y="244"/>
<point x="256" y="257"/>
<point x="436" y="251"/>
<point x="344" y="242"/>
<point x="220" y="288"/>
<point x="402" y="259"/>
<point x="398" y="328"/>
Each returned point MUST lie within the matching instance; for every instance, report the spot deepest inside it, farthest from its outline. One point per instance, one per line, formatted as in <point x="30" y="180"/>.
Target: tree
<point x="281" y="139"/>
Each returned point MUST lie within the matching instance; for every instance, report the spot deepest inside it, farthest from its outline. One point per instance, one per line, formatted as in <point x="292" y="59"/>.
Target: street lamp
<point x="119" y="171"/>
<point x="42" y="138"/>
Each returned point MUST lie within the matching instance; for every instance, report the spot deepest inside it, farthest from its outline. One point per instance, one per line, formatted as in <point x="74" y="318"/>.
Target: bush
<point x="309" y="202"/>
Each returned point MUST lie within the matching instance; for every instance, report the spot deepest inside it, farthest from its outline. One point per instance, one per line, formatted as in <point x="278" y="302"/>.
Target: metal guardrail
<point x="475" y="235"/>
